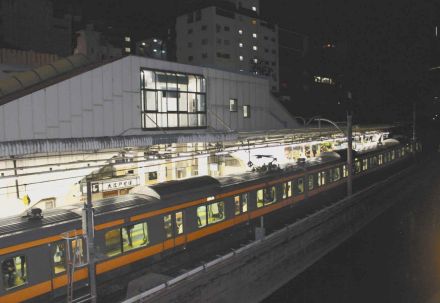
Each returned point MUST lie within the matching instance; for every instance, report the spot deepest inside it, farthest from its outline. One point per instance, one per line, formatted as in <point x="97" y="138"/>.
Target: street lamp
<point x="349" y="135"/>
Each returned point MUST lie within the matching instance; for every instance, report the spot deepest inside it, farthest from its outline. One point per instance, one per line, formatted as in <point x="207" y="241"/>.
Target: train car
<point x="155" y="222"/>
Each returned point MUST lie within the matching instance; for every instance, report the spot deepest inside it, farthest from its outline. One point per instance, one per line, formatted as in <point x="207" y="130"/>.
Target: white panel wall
<point x="105" y="101"/>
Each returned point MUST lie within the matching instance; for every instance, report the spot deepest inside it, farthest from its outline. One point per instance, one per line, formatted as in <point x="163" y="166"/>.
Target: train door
<point x="174" y="225"/>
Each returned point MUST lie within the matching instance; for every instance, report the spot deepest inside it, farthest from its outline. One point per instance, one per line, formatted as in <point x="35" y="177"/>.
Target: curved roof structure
<point x="22" y="80"/>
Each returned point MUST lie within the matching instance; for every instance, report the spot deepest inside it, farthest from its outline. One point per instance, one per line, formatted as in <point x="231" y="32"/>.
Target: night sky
<point x="384" y="46"/>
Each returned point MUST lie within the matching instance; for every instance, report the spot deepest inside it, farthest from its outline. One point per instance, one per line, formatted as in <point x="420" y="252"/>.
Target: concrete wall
<point x="105" y="101"/>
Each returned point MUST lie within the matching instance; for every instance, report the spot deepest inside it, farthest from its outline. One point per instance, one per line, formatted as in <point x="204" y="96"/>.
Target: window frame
<point x="247" y="112"/>
<point x="192" y="116"/>
<point x="25" y="281"/>
<point x="233" y="105"/>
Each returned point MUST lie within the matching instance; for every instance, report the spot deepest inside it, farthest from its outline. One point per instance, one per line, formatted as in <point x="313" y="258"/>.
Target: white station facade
<point x="136" y="121"/>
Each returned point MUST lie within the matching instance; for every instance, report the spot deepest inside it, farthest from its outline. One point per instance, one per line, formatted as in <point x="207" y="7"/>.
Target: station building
<point x="72" y="119"/>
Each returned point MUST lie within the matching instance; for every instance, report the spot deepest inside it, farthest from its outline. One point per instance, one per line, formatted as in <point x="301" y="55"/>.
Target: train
<point x="153" y="222"/>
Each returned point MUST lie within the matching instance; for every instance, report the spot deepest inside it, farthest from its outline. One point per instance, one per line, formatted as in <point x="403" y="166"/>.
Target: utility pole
<point x="88" y="228"/>
<point x="349" y="154"/>
<point x="349" y="147"/>
<point x="414" y="123"/>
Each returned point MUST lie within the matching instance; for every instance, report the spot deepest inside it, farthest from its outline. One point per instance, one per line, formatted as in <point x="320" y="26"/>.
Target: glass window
<point x="310" y="178"/>
<point x="246" y="111"/>
<point x="287" y="189"/>
<point x="336" y="174"/>
<point x="364" y="164"/>
<point x="357" y="166"/>
<point x="14" y="271"/>
<point x="260" y="199"/>
<point x="300" y="183"/>
<point x="269" y="195"/>
<point x="166" y="101"/>
<point x="59" y="257"/>
<point x="201" y="216"/>
<point x="112" y="240"/>
<point x="237" y="205"/>
<point x="244" y="202"/>
<point x="233" y="105"/>
<point x="321" y="178"/>
<point x="168" y="226"/>
<point x="78" y="251"/>
<point x="216" y="212"/>
<point x="344" y="171"/>
<point x="134" y="236"/>
<point x="179" y="223"/>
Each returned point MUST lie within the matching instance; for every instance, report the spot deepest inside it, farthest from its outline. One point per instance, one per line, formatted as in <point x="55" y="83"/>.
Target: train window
<point x="14" y="272"/>
<point x="237" y="205"/>
<point x="59" y="257"/>
<point x="168" y="226"/>
<point x="216" y="212"/>
<point x="287" y="189"/>
<point x="260" y="199"/>
<point x="344" y="171"/>
<point x="201" y="216"/>
<point x="380" y="160"/>
<point x="364" y="164"/>
<point x="244" y="202"/>
<point x="336" y="175"/>
<point x="321" y="178"/>
<point x="179" y="223"/>
<point x="134" y="236"/>
<point x="269" y="195"/>
<point x="393" y="155"/>
<point x="112" y="242"/>
<point x="310" y="178"/>
<point x="300" y="185"/>
<point x="357" y="166"/>
<point x="78" y="251"/>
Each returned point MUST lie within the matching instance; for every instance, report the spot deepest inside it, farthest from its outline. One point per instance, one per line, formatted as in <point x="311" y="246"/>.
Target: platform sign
<point x="111" y="185"/>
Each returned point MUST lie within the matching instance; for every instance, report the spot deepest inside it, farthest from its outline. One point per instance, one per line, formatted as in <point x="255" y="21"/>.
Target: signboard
<point x="111" y="184"/>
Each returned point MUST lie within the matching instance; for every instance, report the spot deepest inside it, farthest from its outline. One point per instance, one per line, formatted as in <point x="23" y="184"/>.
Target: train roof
<point x="151" y="198"/>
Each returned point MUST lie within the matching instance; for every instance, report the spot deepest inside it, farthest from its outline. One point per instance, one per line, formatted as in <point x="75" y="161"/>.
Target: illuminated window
<point x="240" y="32"/>
<point x="255" y="60"/>
<point x="300" y="185"/>
<point x="14" y="271"/>
<point x="201" y="216"/>
<point x="287" y="189"/>
<point x="240" y="44"/>
<point x="233" y="106"/>
<point x="112" y="241"/>
<point x="172" y="100"/>
<point x="254" y="35"/>
<point x="254" y="22"/>
<point x="134" y="236"/>
<point x="237" y="205"/>
<point x="168" y="226"/>
<point x="244" y="202"/>
<point x="310" y="178"/>
<point x="246" y="111"/>
<point x="179" y="223"/>
<point x="59" y="257"/>
<point x="127" y="50"/>
<point x="254" y="47"/>
<point x="241" y="58"/>
<point x="344" y="171"/>
<point x="127" y="39"/>
<point x="216" y="212"/>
